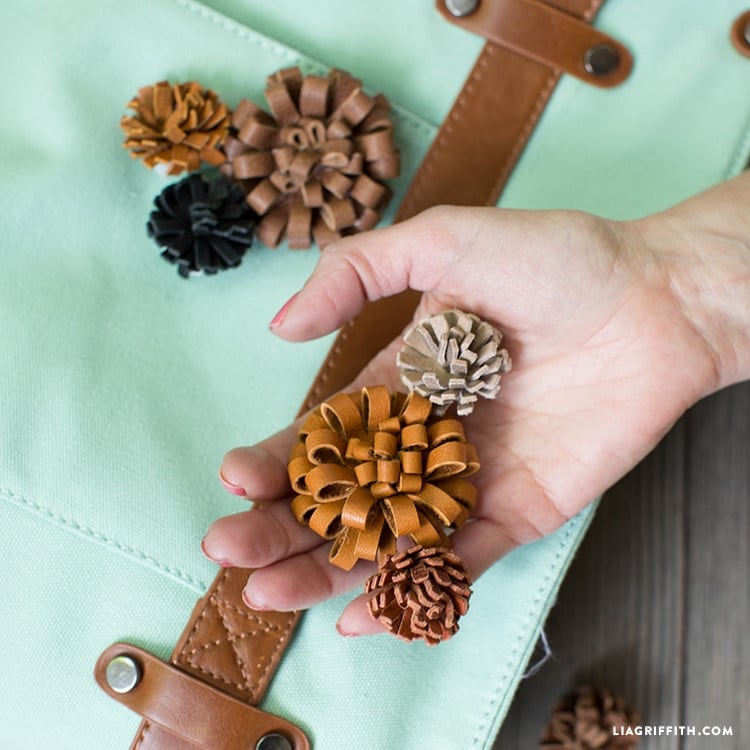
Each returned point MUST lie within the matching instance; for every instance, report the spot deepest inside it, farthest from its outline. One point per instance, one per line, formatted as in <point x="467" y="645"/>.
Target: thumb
<point x="367" y="267"/>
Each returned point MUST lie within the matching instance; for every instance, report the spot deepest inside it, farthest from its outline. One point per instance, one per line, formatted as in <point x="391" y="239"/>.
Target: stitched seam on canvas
<point x="511" y="667"/>
<point x="292" y="56"/>
<point x="98" y="536"/>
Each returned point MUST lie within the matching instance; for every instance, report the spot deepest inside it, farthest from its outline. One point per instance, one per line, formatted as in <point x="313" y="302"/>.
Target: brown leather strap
<point x="226" y="645"/>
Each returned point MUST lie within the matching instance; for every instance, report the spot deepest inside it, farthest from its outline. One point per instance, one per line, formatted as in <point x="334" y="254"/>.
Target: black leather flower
<point x="203" y="226"/>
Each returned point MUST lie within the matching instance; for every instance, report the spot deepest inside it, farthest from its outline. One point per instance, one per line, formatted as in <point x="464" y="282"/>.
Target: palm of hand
<point x="595" y="335"/>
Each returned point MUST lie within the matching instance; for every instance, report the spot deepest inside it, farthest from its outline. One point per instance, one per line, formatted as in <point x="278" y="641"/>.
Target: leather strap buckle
<point x="543" y="33"/>
<point x="185" y="712"/>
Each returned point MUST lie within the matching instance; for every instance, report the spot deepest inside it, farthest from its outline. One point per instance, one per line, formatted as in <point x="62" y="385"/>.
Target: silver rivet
<point x="601" y="60"/>
<point x="123" y="674"/>
<point x="746" y="33"/>
<point x="273" y="742"/>
<point x="461" y="8"/>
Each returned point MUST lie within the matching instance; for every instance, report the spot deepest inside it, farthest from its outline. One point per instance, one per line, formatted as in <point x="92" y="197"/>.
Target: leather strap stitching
<point x="270" y="659"/>
<point x="541" y="102"/>
<point x="330" y="364"/>
<point x="454" y="116"/>
<point x="145" y="727"/>
<point x="249" y="690"/>
<point x="525" y="132"/>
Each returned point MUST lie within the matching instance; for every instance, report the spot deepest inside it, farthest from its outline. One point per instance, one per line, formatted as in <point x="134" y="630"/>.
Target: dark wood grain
<point x="717" y="658"/>
<point x="656" y="603"/>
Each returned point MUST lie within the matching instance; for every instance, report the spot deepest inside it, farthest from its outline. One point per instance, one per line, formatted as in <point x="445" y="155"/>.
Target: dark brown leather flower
<point x="420" y="593"/>
<point x="313" y="167"/>
<point x="176" y="127"/>
<point x="590" y="719"/>
<point x="370" y="468"/>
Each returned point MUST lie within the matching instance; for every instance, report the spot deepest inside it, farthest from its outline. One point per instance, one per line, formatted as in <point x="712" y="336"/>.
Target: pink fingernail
<point x="208" y="555"/>
<point x="223" y="563"/>
<point x="233" y="488"/>
<point x="281" y="314"/>
<point x="345" y="633"/>
<point x="253" y="605"/>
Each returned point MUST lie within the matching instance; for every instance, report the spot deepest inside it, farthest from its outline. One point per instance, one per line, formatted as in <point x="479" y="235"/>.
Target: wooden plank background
<point x="656" y="605"/>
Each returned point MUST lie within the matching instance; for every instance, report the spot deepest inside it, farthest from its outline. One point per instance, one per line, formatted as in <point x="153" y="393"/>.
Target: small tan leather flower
<point x="371" y="467"/>
<point x="176" y="127"/>
<point x="313" y="167"/>
<point x="453" y="357"/>
<point x="420" y="593"/>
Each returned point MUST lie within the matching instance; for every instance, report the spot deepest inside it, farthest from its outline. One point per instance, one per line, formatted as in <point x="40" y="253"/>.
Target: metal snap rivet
<point x="746" y="33"/>
<point x="123" y="674"/>
<point x="461" y="8"/>
<point x="601" y="60"/>
<point x="273" y="741"/>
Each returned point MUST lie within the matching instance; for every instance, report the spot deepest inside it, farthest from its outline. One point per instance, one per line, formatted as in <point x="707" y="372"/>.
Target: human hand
<point x="607" y="355"/>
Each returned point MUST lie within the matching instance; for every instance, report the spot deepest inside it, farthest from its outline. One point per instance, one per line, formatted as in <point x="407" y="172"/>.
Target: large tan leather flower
<point x="372" y="467"/>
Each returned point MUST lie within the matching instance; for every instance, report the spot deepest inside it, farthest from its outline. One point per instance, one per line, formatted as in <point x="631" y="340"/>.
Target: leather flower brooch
<point x="310" y="170"/>
<point x="373" y="468"/>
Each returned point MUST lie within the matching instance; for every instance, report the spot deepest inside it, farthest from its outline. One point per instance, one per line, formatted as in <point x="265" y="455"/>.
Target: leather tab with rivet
<point x="185" y="713"/>
<point x="549" y="35"/>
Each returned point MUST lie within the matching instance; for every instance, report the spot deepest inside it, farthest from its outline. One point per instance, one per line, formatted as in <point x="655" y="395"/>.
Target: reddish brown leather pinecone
<point x="590" y="719"/>
<point x="420" y="593"/>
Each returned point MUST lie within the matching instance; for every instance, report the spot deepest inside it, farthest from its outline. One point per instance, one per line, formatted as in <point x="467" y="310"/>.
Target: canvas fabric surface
<point x="122" y="385"/>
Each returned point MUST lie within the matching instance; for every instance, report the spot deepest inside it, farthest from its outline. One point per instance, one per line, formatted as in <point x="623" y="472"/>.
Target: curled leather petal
<point x="317" y="160"/>
<point x="375" y="466"/>
<point x="176" y="127"/>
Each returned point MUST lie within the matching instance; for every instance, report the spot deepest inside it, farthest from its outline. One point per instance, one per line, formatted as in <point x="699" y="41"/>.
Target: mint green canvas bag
<point x="122" y="385"/>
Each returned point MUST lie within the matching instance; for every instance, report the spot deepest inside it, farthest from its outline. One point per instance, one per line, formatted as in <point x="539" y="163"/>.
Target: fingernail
<point x="281" y="314"/>
<point x="233" y="488"/>
<point x="345" y="633"/>
<point x="223" y="563"/>
<point x="253" y="605"/>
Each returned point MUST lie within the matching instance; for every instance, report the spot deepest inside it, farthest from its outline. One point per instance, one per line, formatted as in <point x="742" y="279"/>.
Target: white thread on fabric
<point x="68" y="523"/>
<point x="543" y="659"/>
